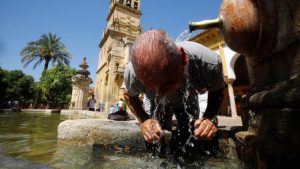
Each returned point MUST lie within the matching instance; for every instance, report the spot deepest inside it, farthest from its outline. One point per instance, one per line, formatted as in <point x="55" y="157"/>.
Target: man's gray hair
<point x="148" y="41"/>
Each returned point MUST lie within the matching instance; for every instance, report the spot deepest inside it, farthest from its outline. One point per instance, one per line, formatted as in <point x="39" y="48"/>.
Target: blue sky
<point x="80" y="23"/>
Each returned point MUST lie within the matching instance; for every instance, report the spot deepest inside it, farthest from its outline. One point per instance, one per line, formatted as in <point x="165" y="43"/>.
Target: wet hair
<point x="152" y="53"/>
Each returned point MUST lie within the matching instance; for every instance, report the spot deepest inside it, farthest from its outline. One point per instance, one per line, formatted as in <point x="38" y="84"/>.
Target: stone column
<point x="231" y="98"/>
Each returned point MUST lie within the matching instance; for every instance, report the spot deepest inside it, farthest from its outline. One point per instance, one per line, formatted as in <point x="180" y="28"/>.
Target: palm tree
<point x="48" y="48"/>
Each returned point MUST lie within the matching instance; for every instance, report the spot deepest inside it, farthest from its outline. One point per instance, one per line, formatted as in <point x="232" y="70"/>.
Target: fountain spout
<point x="206" y="24"/>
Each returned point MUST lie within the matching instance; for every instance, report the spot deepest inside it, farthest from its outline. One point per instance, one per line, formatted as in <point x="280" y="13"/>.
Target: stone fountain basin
<point x="126" y="135"/>
<point x="119" y="144"/>
<point x="122" y="134"/>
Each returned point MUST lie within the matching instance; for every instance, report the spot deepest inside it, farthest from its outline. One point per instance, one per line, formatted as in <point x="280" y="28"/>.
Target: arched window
<point x="128" y="2"/>
<point x="135" y="5"/>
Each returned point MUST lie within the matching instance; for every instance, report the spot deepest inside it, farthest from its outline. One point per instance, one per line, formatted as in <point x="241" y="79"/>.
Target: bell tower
<point x="123" y="25"/>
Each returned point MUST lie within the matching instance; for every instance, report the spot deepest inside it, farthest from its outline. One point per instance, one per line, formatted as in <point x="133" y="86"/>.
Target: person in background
<point x="120" y="104"/>
<point x="91" y="103"/>
<point x="111" y="109"/>
<point x="124" y="105"/>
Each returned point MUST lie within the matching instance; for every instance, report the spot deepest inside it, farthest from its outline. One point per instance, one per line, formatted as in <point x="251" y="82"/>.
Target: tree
<point x="15" y="85"/>
<point x="21" y="86"/>
<point x="56" y="84"/>
<point x="3" y="84"/>
<point x="47" y="48"/>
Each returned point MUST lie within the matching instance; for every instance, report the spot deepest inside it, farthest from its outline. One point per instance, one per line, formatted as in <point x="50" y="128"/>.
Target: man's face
<point x="165" y="83"/>
<point x="170" y="85"/>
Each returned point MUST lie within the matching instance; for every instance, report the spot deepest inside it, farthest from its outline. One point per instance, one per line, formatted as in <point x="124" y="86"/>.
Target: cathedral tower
<point x="123" y="25"/>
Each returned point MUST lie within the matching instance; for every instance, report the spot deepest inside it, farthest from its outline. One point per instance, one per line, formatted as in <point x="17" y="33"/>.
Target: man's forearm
<point x="136" y="107"/>
<point x="214" y="102"/>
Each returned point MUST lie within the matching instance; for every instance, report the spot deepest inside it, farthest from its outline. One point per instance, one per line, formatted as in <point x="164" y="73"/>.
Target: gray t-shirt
<point x="204" y="72"/>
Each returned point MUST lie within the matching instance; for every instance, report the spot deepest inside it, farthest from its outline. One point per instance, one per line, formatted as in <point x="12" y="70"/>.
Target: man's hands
<point x="151" y="130"/>
<point x="205" y="129"/>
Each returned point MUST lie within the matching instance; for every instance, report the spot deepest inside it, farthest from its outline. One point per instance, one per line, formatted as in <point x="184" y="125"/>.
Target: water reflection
<point x="30" y="136"/>
<point x="88" y="156"/>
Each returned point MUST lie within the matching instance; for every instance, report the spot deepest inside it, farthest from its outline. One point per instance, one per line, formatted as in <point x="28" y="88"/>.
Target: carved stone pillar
<point x="80" y="84"/>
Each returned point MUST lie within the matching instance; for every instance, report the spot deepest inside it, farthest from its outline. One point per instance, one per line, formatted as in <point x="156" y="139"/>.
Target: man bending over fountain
<point x="171" y="75"/>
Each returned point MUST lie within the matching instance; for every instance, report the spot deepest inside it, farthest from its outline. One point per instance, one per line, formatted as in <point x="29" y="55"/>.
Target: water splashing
<point x="160" y="107"/>
<point x="157" y="115"/>
<point x="185" y="35"/>
<point x="186" y="98"/>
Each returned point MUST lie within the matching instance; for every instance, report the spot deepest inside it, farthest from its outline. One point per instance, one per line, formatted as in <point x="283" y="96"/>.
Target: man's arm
<point x="150" y="128"/>
<point x="214" y="102"/>
<point x="206" y="128"/>
<point x="136" y="107"/>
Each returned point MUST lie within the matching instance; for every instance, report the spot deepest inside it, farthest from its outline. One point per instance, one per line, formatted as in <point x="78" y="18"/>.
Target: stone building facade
<point x="123" y="25"/>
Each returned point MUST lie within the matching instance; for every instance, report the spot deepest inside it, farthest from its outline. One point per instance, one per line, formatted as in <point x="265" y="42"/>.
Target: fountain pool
<point x="30" y="139"/>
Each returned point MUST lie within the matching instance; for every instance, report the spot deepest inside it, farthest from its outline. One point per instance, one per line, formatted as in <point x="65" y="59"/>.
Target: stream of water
<point x="185" y="35"/>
